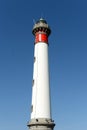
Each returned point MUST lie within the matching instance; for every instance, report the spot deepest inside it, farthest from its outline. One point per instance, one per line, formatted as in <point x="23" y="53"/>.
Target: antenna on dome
<point x="42" y="16"/>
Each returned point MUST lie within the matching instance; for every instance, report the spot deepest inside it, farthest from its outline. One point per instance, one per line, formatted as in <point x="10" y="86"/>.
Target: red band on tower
<point x="41" y="37"/>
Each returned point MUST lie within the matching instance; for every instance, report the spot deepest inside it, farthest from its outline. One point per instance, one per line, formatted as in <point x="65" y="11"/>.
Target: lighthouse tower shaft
<point x="41" y="91"/>
<point x="41" y="108"/>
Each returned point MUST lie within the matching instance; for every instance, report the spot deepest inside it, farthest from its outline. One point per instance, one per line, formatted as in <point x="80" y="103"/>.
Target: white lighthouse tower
<point x="41" y="118"/>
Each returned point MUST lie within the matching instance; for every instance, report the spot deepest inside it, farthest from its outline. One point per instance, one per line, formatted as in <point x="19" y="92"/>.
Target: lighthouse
<point x="41" y="116"/>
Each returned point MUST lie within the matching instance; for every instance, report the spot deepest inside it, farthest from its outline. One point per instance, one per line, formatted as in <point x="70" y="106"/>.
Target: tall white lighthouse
<point x="41" y="118"/>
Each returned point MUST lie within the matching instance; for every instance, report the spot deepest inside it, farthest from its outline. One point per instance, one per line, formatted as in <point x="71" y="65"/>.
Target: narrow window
<point x="31" y="108"/>
<point x="33" y="83"/>
<point x="34" y="59"/>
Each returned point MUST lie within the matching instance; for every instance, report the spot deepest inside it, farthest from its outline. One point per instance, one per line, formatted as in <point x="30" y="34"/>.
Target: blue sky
<point x="67" y="59"/>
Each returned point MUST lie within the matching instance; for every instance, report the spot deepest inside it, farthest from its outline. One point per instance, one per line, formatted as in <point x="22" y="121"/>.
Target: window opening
<point x="33" y="82"/>
<point x="31" y="108"/>
<point x="34" y="59"/>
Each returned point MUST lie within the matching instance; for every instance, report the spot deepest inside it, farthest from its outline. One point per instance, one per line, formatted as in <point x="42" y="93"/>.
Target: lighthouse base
<point x="41" y="124"/>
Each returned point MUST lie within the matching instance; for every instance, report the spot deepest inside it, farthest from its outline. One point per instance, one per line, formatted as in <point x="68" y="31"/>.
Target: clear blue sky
<point x="67" y="58"/>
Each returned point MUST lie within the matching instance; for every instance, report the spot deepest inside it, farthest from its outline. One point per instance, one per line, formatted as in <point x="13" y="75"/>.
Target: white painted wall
<point x="40" y="89"/>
